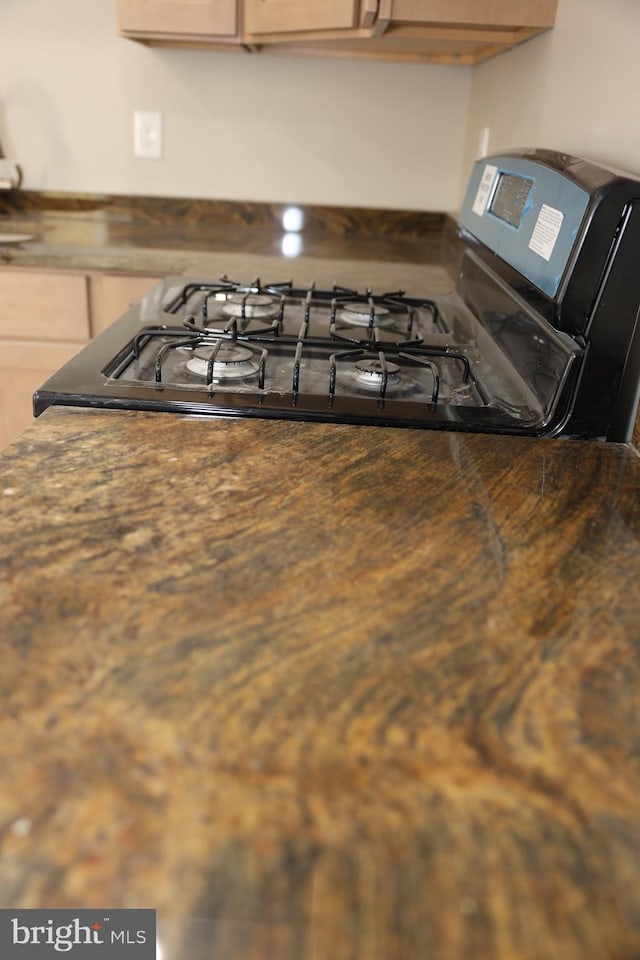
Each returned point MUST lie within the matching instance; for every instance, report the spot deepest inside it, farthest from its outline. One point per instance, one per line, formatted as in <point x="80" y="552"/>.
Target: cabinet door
<point x="297" y="16"/>
<point x="24" y="366"/>
<point x="112" y="295"/>
<point x="206" y="18"/>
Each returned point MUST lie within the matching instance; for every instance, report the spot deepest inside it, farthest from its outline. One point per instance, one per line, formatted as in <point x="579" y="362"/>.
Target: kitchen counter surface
<point x="323" y="691"/>
<point x="163" y="235"/>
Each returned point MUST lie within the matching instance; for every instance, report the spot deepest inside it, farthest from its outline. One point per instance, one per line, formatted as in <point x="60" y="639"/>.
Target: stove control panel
<point x="527" y="214"/>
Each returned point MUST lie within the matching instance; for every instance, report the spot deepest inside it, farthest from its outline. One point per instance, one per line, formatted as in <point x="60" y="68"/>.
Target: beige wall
<point x="237" y="126"/>
<point x="575" y="89"/>
<point x="304" y="130"/>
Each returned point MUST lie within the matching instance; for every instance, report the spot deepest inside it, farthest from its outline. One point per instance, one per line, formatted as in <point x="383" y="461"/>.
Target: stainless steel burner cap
<point x="232" y="361"/>
<point x="358" y="314"/>
<point x="251" y="305"/>
<point x="368" y="373"/>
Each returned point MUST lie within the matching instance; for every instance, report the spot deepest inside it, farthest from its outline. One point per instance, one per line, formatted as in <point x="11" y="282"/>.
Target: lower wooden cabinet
<point x="46" y="317"/>
<point x="24" y="366"/>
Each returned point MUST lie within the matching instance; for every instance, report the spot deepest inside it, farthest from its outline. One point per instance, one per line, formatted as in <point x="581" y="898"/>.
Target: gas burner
<point x="231" y="361"/>
<point x="370" y="374"/>
<point x="361" y="313"/>
<point x="251" y="305"/>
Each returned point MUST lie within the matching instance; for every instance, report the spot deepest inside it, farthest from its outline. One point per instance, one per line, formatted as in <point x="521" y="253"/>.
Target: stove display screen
<point x="510" y="197"/>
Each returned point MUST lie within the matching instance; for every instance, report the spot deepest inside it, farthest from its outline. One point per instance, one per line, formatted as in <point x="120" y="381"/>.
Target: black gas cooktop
<point x="538" y="338"/>
<point x="276" y="350"/>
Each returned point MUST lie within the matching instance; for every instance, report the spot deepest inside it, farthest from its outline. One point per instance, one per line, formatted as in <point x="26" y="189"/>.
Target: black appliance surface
<point x="539" y="337"/>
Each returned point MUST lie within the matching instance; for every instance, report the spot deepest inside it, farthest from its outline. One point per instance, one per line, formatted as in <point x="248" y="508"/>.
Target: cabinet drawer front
<point x="48" y="306"/>
<point x="217" y="18"/>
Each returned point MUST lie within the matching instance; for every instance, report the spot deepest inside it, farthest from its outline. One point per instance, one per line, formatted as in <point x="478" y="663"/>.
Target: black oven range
<point x="538" y="338"/>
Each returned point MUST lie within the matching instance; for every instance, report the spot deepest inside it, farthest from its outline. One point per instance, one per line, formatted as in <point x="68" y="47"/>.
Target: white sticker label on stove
<point x="486" y="183"/>
<point x="545" y="233"/>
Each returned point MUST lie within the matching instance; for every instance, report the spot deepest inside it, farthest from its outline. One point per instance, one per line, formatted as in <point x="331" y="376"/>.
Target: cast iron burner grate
<point x="343" y="306"/>
<point x="260" y="323"/>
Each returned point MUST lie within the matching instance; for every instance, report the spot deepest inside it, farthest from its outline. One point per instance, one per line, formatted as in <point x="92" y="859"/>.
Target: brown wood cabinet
<point x="46" y="316"/>
<point x="24" y="366"/>
<point x="44" y="305"/>
<point x="216" y="22"/>
<point x="436" y="31"/>
<point x="430" y="31"/>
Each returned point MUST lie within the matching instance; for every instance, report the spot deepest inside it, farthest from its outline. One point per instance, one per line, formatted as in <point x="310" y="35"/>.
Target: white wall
<point x="237" y="126"/>
<point x="575" y="89"/>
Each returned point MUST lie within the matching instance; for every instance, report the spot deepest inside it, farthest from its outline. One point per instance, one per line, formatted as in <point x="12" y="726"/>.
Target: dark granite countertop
<point x="165" y="235"/>
<point x="314" y="691"/>
<point x="322" y="691"/>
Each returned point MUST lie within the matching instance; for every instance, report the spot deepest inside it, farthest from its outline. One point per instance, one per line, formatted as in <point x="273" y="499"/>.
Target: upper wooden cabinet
<point x="436" y="31"/>
<point x="431" y="31"/>
<point x="158" y="21"/>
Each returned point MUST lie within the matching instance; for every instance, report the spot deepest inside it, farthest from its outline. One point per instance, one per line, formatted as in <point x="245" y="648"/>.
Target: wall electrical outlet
<point x="147" y="135"/>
